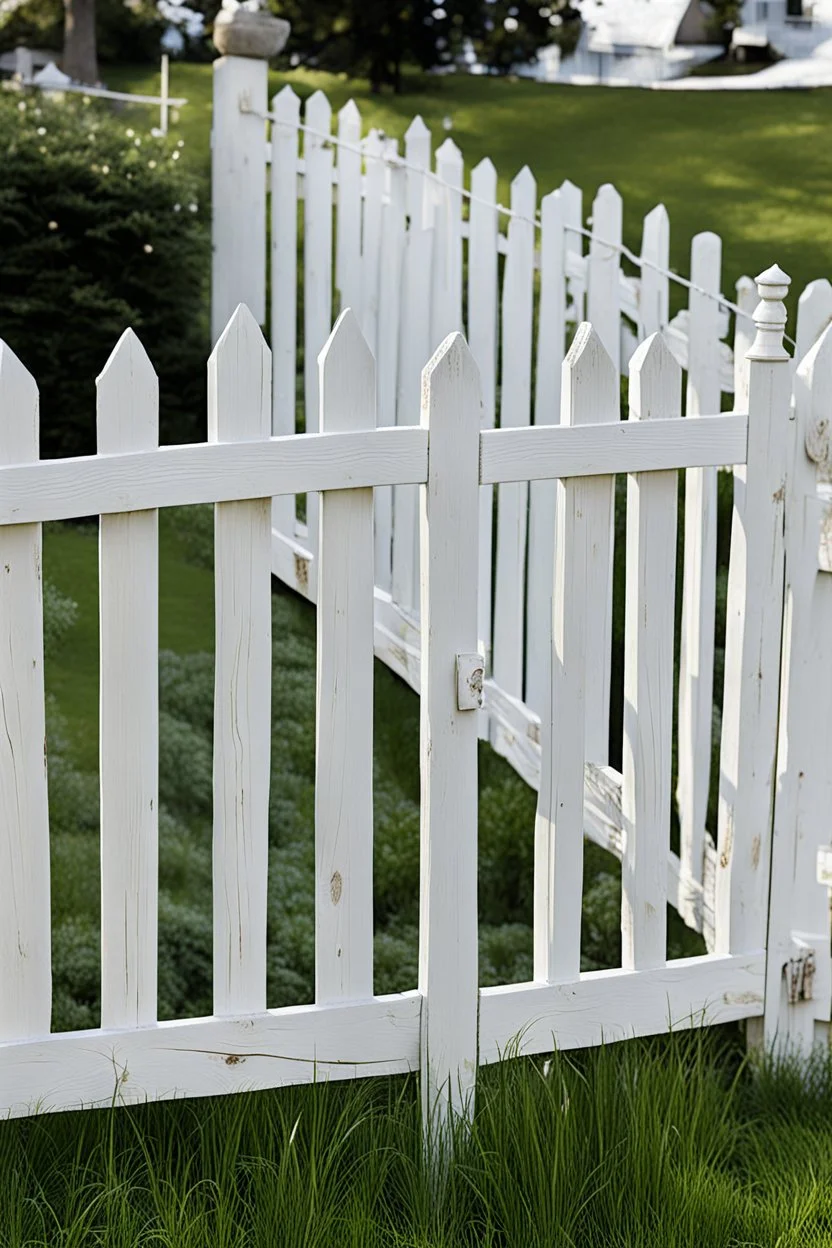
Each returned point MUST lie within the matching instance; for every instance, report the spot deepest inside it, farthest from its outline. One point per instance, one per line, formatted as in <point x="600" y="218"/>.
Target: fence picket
<point x="746" y="299"/>
<point x="446" y="294"/>
<point x="128" y="420"/>
<point x="515" y="411"/>
<point x="482" y="339"/>
<point x="543" y="494"/>
<point x="387" y="354"/>
<point x="654" y="293"/>
<point x="344" y="736"/>
<point x="752" y="636"/>
<point x="655" y="393"/>
<point x="573" y="241"/>
<point x="25" y="929"/>
<point x="583" y="521"/>
<point x="284" y="243"/>
<point x="696" y="663"/>
<point x="448" y="918"/>
<point x="604" y="268"/>
<point x="239" y="386"/>
<point x="374" y="180"/>
<point x="348" y="217"/>
<point x="317" y="265"/>
<point x="416" y="153"/>
<point x="814" y="313"/>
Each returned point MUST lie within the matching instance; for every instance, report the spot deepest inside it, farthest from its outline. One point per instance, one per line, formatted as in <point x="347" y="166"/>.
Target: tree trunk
<point x="80" y="53"/>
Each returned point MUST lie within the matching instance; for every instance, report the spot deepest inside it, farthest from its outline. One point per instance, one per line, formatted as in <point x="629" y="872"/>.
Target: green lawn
<point x="755" y="167"/>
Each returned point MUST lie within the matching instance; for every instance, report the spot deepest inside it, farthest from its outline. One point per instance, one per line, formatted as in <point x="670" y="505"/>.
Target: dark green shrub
<point x="102" y="229"/>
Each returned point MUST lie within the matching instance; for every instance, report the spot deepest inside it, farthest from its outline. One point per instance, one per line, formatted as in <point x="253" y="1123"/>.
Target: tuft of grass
<point x="676" y="1141"/>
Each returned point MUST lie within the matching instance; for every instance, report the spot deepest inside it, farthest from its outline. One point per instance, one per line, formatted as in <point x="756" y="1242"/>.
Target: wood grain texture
<point x="173" y="476"/>
<point x="515" y="411"/>
<point x="605" y="1006"/>
<point x="25" y="945"/>
<point x="128" y="420"/>
<point x="211" y="1056"/>
<point x="239" y="389"/>
<point x="387" y="354"/>
<point x="696" y="656"/>
<point x="583" y="516"/>
<point x="374" y="180"/>
<point x="448" y="893"/>
<point x="655" y="391"/>
<point x="654" y="290"/>
<point x="604" y="266"/>
<point x="348" y="216"/>
<point x="284" y="248"/>
<point x="446" y="279"/>
<point x="344" y="718"/>
<point x="752" y="639"/>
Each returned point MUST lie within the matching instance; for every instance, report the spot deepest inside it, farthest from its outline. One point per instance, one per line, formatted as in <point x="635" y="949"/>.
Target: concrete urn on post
<point x="247" y="29"/>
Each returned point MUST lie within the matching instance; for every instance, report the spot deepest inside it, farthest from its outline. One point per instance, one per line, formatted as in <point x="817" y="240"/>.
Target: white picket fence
<point x="416" y="255"/>
<point x="771" y="957"/>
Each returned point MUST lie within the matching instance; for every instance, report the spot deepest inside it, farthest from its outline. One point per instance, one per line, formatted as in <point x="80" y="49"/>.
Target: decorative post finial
<point x="246" y="28"/>
<point x="770" y="315"/>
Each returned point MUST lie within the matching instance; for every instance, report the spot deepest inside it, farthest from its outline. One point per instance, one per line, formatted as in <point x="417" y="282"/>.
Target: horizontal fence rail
<point x="447" y="1026"/>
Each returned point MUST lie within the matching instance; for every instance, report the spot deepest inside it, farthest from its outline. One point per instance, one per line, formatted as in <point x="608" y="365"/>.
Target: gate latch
<point x="800" y="975"/>
<point x="470" y="673"/>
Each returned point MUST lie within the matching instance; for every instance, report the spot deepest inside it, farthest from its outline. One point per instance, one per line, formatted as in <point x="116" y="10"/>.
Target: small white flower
<point x="41" y="130"/>
<point x="105" y="168"/>
<point x="42" y="151"/>
<point x="137" y="142"/>
<point x="147" y="249"/>
<point x="511" y="24"/>
<point x="193" y="207"/>
<point x="177" y="207"/>
<point x="86" y="100"/>
<point x="156" y="132"/>
<point x="53" y="225"/>
<point x="175" y="156"/>
<point x="22" y="106"/>
<point x="181" y="143"/>
<point x="151" y="164"/>
<point x="130" y="133"/>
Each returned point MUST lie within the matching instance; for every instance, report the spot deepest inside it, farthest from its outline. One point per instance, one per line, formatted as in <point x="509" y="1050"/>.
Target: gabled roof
<point x="632" y="23"/>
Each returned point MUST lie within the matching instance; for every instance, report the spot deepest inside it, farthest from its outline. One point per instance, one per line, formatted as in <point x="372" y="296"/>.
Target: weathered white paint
<point x="173" y="476"/>
<point x="387" y="353"/>
<point x="746" y="299"/>
<point x="284" y="244"/>
<point x="583" y="518"/>
<point x="211" y="1056"/>
<point x="542" y="494"/>
<point x="752" y="642"/>
<point x="374" y="180"/>
<point x="128" y="420"/>
<point x="515" y="411"/>
<point x="446" y="279"/>
<point x="417" y="153"/>
<point x="239" y="402"/>
<point x="573" y="216"/>
<point x="541" y="453"/>
<point x="814" y="313"/>
<point x="655" y="391"/>
<point x="604" y="1006"/>
<point x="448" y="894"/>
<point x="25" y="949"/>
<point x="696" y="656"/>
<point x="238" y="189"/>
<point x="344" y="721"/>
<point x="654" y="293"/>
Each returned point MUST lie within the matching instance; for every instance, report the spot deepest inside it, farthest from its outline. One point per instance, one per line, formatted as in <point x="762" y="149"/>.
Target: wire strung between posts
<point x="394" y="160"/>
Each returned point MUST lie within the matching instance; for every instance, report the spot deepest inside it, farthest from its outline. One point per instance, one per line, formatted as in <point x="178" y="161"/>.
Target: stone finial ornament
<point x="770" y="315"/>
<point x="247" y="29"/>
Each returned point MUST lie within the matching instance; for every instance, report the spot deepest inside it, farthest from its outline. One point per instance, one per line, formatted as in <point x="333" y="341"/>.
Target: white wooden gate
<point x="445" y="1026"/>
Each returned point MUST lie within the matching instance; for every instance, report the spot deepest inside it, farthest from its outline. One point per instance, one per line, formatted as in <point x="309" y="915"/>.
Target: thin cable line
<point x="394" y="160"/>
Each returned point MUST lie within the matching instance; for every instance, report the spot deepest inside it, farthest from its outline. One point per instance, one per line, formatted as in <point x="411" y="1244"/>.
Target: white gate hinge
<point x="470" y="673"/>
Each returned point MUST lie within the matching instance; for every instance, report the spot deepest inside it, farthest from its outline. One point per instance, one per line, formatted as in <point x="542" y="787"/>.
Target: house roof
<point x="632" y="23"/>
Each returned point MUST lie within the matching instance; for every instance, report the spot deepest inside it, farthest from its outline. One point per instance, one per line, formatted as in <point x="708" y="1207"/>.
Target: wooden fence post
<point x="798" y="971"/>
<point x="449" y="560"/>
<point x="753" y="633"/>
<point x="25" y="920"/>
<point x="128" y="420"/>
<point x="239" y="403"/>
<point x="238" y="189"/>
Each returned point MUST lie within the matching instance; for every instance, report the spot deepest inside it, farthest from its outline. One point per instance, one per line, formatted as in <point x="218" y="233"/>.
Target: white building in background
<point x="792" y="28"/>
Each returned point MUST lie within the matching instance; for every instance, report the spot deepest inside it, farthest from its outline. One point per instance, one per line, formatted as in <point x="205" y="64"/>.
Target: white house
<point x="641" y="40"/>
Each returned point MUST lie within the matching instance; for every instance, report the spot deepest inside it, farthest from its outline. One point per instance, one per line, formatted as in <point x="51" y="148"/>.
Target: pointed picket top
<point x="590" y="391"/>
<point x="484" y="178"/>
<point x="451" y="379"/>
<point x="813" y="385"/>
<point x="19" y="406"/>
<point x="286" y="104"/>
<point x="318" y="115"/>
<point x="127" y="399"/>
<point x="657" y="218"/>
<point x="347" y="378"/>
<point x="569" y="188"/>
<point x="240" y="382"/>
<point x="655" y="381"/>
<point x="770" y="315"/>
<point x="448" y="157"/>
<point x="349" y="115"/>
<point x="607" y="198"/>
<point x="417" y="130"/>
<point x="551" y="200"/>
<point x="814" y="313"/>
<point x="524" y="193"/>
